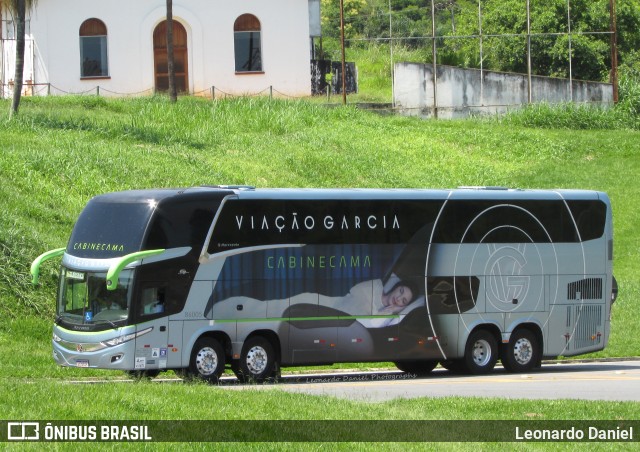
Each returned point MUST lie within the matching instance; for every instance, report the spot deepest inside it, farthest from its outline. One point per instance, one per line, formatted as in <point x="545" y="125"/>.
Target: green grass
<point x="153" y="400"/>
<point x="374" y="62"/>
<point x="59" y="152"/>
<point x="574" y="117"/>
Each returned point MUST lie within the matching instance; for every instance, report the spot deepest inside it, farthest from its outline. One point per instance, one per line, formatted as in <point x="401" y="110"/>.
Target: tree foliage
<point x="503" y="25"/>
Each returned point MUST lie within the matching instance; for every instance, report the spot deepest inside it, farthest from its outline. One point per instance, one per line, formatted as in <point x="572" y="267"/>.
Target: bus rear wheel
<point x="522" y="353"/>
<point x="257" y="361"/>
<point x="481" y="352"/>
<point x="417" y="367"/>
<point x="207" y="360"/>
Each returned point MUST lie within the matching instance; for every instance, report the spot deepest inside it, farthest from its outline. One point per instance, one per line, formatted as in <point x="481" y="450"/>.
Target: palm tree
<point x="173" y="92"/>
<point x="19" y="9"/>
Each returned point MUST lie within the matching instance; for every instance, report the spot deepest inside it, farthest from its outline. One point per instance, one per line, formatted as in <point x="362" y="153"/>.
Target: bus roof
<point x="435" y="194"/>
<point x="249" y="193"/>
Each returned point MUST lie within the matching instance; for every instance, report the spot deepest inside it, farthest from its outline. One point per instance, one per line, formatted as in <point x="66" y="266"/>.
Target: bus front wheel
<point x="207" y="360"/>
<point x="522" y="353"/>
<point x="481" y="352"/>
<point x="257" y="361"/>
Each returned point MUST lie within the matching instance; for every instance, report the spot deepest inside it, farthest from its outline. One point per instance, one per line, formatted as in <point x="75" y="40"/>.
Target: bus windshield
<point x="83" y="298"/>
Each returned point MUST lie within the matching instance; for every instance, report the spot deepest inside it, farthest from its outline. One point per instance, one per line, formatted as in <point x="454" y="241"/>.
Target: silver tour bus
<point x="197" y="279"/>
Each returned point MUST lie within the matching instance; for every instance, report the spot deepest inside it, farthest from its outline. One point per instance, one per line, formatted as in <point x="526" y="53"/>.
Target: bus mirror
<point x="114" y="271"/>
<point x="35" y="266"/>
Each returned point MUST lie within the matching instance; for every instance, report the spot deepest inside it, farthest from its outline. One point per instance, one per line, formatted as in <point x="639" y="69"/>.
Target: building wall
<point x="463" y="92"/>
<point x="209" y="24"/>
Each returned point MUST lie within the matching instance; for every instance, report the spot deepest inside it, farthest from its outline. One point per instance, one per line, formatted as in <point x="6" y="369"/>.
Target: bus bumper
<point x="120" y="357"/>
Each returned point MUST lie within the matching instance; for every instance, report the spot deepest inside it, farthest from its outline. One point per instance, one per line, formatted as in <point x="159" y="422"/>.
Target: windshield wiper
<point x="107" y="321"/>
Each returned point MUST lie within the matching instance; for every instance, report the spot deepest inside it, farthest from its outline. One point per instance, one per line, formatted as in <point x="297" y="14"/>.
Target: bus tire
<point x="417" y="367"/>
<point x="207" y="360"/>
<point x="522" y="353"/>
<point x="257" y="361"/>
<point x="481" y="352"/>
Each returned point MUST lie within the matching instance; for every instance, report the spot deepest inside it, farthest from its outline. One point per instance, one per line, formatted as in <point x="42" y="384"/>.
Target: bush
<point x="629" y="91"/>
<point x="624" y="115"/>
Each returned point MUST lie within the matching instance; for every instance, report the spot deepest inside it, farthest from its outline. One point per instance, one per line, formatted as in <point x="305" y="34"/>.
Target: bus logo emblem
<point x="506" y="286"/>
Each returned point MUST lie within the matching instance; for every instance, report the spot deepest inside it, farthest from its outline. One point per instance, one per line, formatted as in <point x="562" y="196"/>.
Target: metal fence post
<point x="434" y="56"/>
<point x="529" y="95"/>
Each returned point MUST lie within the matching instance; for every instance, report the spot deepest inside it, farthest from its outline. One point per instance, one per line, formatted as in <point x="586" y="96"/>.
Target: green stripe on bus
<point x="305" y="319"/>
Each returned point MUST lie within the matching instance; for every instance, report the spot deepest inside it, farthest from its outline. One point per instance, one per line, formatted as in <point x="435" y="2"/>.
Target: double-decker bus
<point x="197" y="279"/>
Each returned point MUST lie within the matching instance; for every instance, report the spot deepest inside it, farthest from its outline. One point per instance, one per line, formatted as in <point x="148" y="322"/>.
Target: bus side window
<point x="153" y="299"/>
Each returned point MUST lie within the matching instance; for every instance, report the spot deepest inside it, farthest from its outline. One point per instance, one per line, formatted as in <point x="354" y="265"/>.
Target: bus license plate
<point x="82" y="363"/>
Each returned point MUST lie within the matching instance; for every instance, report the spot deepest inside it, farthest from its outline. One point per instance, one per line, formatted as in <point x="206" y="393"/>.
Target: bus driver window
<point x="153" y="300"/>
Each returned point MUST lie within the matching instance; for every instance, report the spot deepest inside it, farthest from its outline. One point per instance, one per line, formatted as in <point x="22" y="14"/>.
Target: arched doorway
<point x="160" y="64"/>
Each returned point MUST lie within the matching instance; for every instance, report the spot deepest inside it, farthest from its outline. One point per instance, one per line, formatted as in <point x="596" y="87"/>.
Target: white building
<point x="235" y="47"/>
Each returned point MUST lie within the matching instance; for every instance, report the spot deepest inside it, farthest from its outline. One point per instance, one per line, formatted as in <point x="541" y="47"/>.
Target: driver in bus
<point x="156" y="306"/>
<point x="107" y="304"/>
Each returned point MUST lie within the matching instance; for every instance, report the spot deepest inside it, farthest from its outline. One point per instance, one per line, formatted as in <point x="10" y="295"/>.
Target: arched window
<point x="246" y="31"/>
<point x="93" y="49"/>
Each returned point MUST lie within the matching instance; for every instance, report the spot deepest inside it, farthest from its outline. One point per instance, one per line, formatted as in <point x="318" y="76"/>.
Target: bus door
<point x="313" y="331"/>
<point x="364" y="333"/>
<point x="250" y="314"/>
<point x="152" y="347"/>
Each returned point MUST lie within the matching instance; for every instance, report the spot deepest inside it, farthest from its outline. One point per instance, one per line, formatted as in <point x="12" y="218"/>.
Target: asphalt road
<point x="610" y="380"/>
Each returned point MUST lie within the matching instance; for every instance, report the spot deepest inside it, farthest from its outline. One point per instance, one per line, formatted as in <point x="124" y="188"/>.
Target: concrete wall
<point x="209" y="24"/>
<point x="465" y="92"/>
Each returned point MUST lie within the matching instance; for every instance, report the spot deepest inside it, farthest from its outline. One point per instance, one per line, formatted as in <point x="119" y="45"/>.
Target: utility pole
<point x="344" y="70"/>
<point x="614" y="49"/>
<point x="434" y="55"/>
<point x="391" y="57"/>
<point x="171" y="69"/>
<point x="529" y="94"/>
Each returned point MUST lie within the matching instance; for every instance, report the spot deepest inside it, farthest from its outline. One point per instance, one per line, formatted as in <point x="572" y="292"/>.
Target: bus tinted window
<point x="512" y="222"/>
<point x="268" y="222"/>
<point x="184" y="224"/>
<point x="590" y="217"/>
<point x="105" y="230"/>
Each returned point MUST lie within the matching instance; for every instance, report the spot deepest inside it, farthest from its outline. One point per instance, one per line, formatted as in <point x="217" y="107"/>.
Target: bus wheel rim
<point x="257" y="360"/>
<point x="522" y="351"/>
<point x="481" y="353"/>
<point x="207" y="361"/>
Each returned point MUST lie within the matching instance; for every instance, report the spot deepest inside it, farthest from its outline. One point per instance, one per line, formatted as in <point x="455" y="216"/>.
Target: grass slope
<point x="62" y="151"/>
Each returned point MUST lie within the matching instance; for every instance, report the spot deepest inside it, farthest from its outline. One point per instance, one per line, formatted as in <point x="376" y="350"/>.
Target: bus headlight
<point x="126" y="338"/>
<point x="56" y="338"/>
